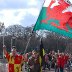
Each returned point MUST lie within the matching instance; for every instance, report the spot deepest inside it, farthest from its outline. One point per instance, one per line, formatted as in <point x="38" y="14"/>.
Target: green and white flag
<point x="55" y="16"/>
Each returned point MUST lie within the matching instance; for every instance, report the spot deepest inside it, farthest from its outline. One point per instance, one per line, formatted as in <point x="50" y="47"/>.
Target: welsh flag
<point x="55" y="16"/>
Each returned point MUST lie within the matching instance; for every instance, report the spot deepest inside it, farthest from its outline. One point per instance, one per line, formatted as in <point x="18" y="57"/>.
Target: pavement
<point x="3" y="68"/>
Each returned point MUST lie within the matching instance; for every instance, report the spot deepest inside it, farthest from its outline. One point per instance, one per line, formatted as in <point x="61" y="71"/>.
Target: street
<point x="3" y="68"/>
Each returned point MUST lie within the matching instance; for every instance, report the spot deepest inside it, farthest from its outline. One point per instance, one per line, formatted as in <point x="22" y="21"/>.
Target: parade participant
<point x="14" y="60"/>
<point x="31" y="62"/>
<point x="58" y="63"/>
<point x="46" y="62"/>
<point x="36" y="63"/>
<point x="62" y="62"/>
<point x="66" y="59"/>
<point x="50" y="59"/>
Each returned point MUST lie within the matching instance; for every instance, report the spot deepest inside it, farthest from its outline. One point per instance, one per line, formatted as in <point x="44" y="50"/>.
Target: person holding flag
<point x="14" y="60"/>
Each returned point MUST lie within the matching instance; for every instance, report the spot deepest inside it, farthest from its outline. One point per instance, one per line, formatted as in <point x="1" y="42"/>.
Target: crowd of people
<point x="52" y="60"/>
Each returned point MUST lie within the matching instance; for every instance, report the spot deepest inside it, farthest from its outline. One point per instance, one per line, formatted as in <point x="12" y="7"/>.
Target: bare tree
<point x="1" y="27"/>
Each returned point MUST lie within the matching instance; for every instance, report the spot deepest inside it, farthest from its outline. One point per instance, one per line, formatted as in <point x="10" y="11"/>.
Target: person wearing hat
<point x="14" y="60"/>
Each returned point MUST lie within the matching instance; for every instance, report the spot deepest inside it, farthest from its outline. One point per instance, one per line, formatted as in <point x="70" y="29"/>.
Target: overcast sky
<point x="23" y="12"/>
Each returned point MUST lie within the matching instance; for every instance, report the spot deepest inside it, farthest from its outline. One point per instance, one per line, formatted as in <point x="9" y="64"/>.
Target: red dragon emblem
<point x="57" y="13"/>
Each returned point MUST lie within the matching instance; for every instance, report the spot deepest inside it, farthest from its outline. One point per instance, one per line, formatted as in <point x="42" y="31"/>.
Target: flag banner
<point x="41" y="53"/>
<point x="56" y="16"/>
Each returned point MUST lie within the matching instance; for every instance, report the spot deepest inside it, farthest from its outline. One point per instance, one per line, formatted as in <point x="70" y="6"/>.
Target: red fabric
<point x="18" y="59"/>
<point x="59" y="61"/>
<point x="11" y="68"/>
<point x="62" y="61"/>
<point x="57" y="13"/>
<point x="7" y="56"/>
<point x="66" y="59"/>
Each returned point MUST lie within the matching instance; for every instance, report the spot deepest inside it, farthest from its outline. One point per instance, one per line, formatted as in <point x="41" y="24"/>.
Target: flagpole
<point x="3" y="41"/>
<point x="11" y="43"/>
<point x="28" y="43"/>
<point x="2" y="30"/>
<point x="3" y="45"/>
<point x="31" y="35"/>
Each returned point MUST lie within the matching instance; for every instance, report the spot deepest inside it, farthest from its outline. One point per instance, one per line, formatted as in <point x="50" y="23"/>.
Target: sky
<point x="22" y="12"/>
